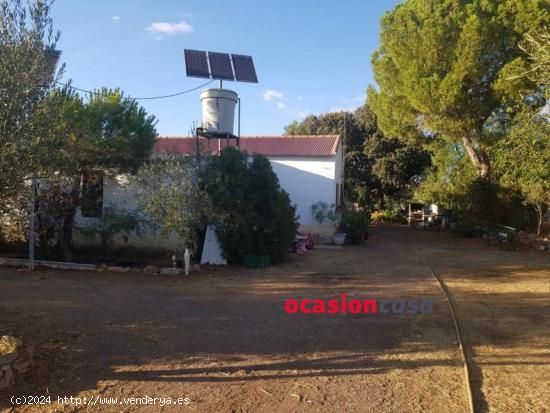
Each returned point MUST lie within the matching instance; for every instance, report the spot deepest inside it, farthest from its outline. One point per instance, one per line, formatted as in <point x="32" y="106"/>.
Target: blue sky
<point x="310" y="56"/>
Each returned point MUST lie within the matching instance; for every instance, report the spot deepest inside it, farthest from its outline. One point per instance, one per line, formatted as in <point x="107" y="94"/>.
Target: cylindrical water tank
<point x="218" y="110"/>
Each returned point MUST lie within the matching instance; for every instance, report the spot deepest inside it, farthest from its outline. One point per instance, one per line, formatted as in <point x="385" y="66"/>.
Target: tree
<point x="26" y="33"/>
<point x="377" y="169"/>
<point x="523" y="159"/>
<point x="251" y="212"/>
<point x="443" y="66"/>
<point x="109" y="134"/>
<point x="170" y="194"/>
<point x="537" y="47"/>
<point x="398" y="167"/>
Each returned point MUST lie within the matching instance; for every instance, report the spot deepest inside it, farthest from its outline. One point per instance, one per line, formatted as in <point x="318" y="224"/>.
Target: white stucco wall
<point x="307" y="180"/>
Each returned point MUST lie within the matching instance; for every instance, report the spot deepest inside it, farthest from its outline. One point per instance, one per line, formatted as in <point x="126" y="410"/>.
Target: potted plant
<point x="322" y="212"/>
<point x="357" y="225"/>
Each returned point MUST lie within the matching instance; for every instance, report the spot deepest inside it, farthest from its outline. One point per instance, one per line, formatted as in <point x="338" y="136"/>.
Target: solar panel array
<point x="221" y="66"/>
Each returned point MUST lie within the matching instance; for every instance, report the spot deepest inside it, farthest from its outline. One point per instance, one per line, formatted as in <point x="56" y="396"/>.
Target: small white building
<point x="309" y="168"/>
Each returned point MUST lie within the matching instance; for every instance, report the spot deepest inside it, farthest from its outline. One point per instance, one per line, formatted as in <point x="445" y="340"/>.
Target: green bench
<point x="502" y="233"/>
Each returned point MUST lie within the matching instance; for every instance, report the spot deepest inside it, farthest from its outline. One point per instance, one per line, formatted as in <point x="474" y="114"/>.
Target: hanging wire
<point x="138" y="98"/>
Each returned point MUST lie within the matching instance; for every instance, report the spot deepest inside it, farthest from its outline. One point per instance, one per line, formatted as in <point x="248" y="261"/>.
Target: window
<point x="92" y="194"/>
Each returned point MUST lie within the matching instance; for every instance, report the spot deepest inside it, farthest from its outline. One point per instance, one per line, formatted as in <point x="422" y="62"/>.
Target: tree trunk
<point x="540" y="217"/>
<point x="477" y="156"/>
<point x="68" y="223"/>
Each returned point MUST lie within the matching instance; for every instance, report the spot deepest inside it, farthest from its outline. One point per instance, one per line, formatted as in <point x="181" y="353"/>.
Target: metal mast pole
<point x="31" y="225"/>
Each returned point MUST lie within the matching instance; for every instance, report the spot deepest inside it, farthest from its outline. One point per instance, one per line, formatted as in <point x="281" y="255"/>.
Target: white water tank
<point x="218" y="110"/>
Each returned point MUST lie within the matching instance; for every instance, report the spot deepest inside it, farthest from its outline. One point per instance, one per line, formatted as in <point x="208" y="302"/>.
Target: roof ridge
<point x="261" y="136"/>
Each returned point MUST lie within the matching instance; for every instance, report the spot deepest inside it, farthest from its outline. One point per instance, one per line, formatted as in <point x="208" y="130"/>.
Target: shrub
<point x="322" y="212"/>
<point x="387" y="215"/>
<point x="251" y="212"/>
<point x="170" y="195"/>
<point x="357" y="224"/>
<point x="113" y="221"/>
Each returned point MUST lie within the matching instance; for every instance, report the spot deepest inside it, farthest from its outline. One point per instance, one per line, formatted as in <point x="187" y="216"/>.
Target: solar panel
<point x="51" y="57"/>
<point x="244" y="68"/>
<point x="196" y="63"/>
<point x="220" y="65"/>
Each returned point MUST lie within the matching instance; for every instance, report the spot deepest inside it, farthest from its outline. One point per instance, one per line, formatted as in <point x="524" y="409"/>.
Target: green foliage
<point x="440" y="67"/>
<point x="44" y="132"/>
<point x="377" y="169"/>
<point x="52" y="205"/>
<point x="522" y="160"/>
<point x="357" y="224"/>
<point x="537" y="47"/>
<point x="120" y="133"/>
<point x="322" y="212"/>
<point x="251" y="212"/>
<point x="170" y="194"/>
<point x="113" y="221"/>
<point x="387" y="215"/>
<point x="398" y="167"/>
<point x="26" y="31"/>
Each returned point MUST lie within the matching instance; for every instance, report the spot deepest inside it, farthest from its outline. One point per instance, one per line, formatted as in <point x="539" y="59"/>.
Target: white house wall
<point x="307" y="180"/>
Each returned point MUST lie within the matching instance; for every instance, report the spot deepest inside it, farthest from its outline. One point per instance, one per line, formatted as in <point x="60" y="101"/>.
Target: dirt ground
<point x="222" y="338"/>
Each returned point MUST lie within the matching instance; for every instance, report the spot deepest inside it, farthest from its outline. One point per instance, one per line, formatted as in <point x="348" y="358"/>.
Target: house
<point x="309" y="168"/>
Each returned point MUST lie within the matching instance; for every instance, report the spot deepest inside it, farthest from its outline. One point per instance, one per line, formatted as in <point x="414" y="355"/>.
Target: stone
<point x="9" y="344"/>
<point x="151" y="269"/>
<point x="118" y="269"/>
<point x="170" y="271"/>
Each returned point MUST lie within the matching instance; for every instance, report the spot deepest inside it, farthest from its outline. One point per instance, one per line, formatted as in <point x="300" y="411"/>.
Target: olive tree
<point x="170" y="195"/>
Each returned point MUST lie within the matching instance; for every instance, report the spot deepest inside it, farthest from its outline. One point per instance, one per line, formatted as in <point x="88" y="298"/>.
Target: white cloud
<point x="115" y="19"/>
<point x="170" y="29"/>
<point x="272" y="94"/>
<point x="281" y="105"/>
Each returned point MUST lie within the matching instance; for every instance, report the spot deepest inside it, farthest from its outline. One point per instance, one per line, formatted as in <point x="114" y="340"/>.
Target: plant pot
<point x="339" y="238"/>
<point x="358" y="237"/>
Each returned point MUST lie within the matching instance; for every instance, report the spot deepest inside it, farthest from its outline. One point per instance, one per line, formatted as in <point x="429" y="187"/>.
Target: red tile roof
<point x="300" y="145"/>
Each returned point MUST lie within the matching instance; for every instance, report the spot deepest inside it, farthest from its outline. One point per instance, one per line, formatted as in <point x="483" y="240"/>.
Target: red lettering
<point x="344" y="308"/>
<point x="303" y="307"/>
<point x="333" y="306"/>
<point x="354" y="306"/>
<point x="369" y="303"/>
<point x="291" y="306"/>
<point x="319" y="307"/>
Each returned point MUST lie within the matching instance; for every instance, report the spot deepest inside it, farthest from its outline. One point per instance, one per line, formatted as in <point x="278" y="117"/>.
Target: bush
<point x="251" y="212"/>
<point x="113" y="221"/>
<point x="322" y="212"/>
<point x="380" y="217"/>
<point x="357" y="224"/>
